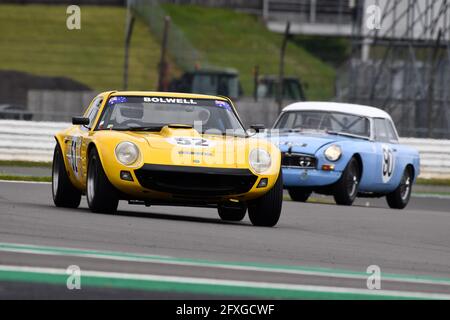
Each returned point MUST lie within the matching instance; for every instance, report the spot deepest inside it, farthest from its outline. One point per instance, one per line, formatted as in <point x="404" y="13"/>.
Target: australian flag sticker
<point x="223" y="104"/>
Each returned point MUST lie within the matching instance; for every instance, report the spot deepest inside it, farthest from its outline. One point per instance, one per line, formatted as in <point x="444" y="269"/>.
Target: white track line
<point x="25" y="182"/>
<point x="226" y="266"/>
<point x="230" y="283"/>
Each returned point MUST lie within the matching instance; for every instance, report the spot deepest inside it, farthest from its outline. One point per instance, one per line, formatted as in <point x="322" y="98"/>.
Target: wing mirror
<point x="81" y="121"/>
<point x="257" y="127"/>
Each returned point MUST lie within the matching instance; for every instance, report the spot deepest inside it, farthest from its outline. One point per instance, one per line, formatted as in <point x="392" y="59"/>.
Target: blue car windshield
<point x="325" y="121"/>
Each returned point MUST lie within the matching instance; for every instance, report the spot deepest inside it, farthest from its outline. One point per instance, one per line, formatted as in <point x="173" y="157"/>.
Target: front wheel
<point x="346" y="189"/>
<point x="265" y="211"/>
<point x="64" y="193"/>
<point x="399" y="198"/>
<point x="101" y="195"/>
<point x="231" y="213"/>
<point x="299" y="195"/>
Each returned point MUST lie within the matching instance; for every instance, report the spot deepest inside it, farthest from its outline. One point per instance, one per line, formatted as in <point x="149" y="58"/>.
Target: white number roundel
<point x="387" y="165"/>
<point x="191" y="142"/>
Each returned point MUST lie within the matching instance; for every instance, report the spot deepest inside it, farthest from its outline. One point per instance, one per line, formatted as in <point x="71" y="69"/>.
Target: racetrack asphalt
<point x="315" y="251"/>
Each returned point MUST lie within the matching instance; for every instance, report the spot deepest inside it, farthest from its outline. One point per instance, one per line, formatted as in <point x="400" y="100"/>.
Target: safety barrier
<point x="33" y="141"/>
<point x="28" y="140"/>
<point x="434" y="156"/>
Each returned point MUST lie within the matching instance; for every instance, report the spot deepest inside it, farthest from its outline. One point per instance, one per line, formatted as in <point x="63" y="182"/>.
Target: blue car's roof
<point x="355" y="109"/>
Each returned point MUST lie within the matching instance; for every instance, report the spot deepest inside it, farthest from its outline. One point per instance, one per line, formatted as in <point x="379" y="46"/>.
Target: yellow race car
<point x="160" y="148"/>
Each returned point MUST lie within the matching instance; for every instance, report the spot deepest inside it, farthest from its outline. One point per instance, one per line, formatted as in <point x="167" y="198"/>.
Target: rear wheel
<point x="101" y="195"/>
<point x="265" y="211"/>
<point x="299" y="195"/>
<point x="64" y="193"/>
<point x="346" y="189"/>
<point x="399" y="198"/>
<point x="231" y="213"/>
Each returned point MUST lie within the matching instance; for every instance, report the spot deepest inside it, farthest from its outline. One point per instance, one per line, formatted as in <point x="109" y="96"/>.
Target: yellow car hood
<point x="195" y="148"/>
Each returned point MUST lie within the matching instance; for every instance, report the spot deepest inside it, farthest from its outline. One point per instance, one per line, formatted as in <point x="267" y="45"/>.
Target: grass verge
<point x="35" y="39"/>
<point x="237" y="40"/>
<point x="27" y="164"/>
<point x="434" y="182"/>
<point x="25" y="178"/>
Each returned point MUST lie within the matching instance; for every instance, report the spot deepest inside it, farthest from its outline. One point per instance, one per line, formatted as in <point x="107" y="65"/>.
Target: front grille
<point x="297" y="160"/>
<point x="195" y="181"/>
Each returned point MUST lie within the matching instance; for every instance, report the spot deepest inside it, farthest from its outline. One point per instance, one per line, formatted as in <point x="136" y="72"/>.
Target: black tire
<point x="399" y="198"/>
<point x="101" y="195"/>
<point x="231" y="213"/>
<point x="65" y="195"/>
<point x="265" y="211"/>
<point x="346" y="189"/>
<point x="299" y="195"/>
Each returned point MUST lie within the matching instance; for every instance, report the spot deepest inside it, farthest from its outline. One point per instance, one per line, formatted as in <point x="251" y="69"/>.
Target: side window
<point x="287" y="120"/>
<point x="381" y="132"/>
<point x="92" y="113"/>
<point x="391" y="131"/>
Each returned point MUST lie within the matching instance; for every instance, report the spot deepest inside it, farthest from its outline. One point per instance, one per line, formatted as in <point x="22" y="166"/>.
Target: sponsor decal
<point x="169" y="100"/>
<point x="195" y="153"/>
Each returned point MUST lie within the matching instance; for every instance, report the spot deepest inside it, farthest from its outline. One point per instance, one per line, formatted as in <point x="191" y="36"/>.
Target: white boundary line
<point x="25" y="182"/>
<point x="179" y="262"/>
<point x="229" y="283"/>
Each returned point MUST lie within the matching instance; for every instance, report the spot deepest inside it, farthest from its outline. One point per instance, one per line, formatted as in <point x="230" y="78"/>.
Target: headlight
<point x="259" y="160"/>
<point x="333" y="153"/>
<point x="127" y="153"/>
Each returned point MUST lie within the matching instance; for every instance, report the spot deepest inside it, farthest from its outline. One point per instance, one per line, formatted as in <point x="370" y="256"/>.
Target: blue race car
<point x="343" y="150"/>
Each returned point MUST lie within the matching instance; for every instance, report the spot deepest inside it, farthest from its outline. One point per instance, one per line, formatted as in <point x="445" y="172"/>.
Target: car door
<point x="386" y="147"/>
<point x="77" y="141"/>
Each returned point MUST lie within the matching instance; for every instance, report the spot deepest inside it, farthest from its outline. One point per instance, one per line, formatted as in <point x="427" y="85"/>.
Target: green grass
<point x="333" y="50"/>
<point x="13" y="163"/>
<point x="34" y="39"/>
<point x="237" y="40"/>
<point x="25" y="178"/>
<point x="434" y="182"/>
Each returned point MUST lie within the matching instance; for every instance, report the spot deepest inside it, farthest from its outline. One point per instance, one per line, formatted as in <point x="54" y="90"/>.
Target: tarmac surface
<point x="317" y="251"/>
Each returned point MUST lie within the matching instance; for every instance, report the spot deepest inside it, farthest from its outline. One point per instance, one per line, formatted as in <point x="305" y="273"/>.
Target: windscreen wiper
<point x="347" y="135"/>
<point x="159" y="127"/>
<point x="143" y="128"/>
<point x="291" y="130"/>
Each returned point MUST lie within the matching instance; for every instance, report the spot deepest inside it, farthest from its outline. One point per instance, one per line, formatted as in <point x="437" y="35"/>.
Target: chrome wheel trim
<point x="352" y="181"/>
<point x="55" y="178"/>
<point x="406" y="188"/>
<point x="91" y="185"/>
<point x="355" y="183"/>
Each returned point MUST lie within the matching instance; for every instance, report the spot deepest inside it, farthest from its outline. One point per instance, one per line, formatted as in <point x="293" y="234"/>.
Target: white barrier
<point x="434" y="156"/>
<point x="33" y="141"/>
<point x="28" y="140"/>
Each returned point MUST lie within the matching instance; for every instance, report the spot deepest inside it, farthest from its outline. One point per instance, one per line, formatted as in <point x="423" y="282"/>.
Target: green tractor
<point x="223" y="82"/>
<point x="267" y="88"/>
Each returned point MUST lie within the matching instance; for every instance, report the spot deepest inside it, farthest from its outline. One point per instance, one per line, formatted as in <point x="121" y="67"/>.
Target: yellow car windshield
<point x="140" y="112"/>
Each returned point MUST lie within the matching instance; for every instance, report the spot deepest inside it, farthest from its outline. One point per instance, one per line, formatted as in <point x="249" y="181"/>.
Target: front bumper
<point x="293" y="177"/>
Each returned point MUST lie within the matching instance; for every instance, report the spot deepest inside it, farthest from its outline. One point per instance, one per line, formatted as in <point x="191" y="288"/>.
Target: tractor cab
<point x="268" y="85"/>
<point x="222" y="82"/>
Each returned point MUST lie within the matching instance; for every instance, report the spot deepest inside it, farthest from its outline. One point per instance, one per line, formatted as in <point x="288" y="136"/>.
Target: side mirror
<point x="257" y="127"/>
<point x="81" y="121"/>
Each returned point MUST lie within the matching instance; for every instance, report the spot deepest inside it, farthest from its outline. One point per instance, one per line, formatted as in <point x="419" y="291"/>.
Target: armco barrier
<point x="434" y="156"/>
<point x="28" y="140"/>
<point x="33" y="141"/>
